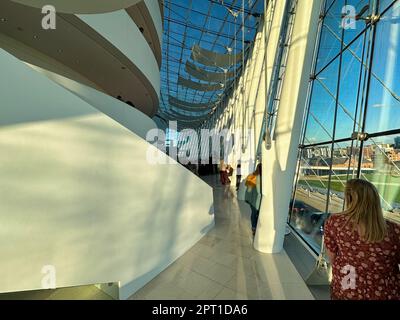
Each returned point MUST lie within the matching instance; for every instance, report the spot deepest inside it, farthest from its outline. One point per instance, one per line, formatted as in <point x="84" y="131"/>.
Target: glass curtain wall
<point x="352" y="125"/>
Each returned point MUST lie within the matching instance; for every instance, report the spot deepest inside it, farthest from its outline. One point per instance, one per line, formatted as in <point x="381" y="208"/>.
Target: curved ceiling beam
<point x="81" y="7"/>
<point x="192" y="115"/>
<point x="181" y="117"/>
<point x="199" y="86"/>
<point x="191" y="107"/>
<point x="209" y="76"/>
<point x="214" y="59"/>
<point x="174" y="116"/>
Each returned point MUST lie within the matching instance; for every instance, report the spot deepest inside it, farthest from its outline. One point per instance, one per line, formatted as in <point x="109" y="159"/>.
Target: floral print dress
<point x="363" y="270"/>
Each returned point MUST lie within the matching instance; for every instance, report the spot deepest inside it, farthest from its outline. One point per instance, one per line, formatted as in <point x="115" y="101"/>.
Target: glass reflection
<point x="384" y="97"/>
<point x="308" y="209"/>
<point x="344" y="167"/>
<point x="349" y="102"/>
<point x="383" y="153"/>
<point x="323" y="104"/>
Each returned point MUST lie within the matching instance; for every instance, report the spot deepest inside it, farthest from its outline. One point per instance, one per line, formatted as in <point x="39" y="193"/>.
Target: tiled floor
<point x="305" y="264"/>
<point x="73" y="293"/>
<point x="224" y="265"/>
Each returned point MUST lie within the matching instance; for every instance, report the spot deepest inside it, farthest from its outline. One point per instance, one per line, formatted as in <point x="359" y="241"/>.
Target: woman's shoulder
<point x="394" y="227"/>
<point x="335" y="219"/>
<point x="336" y="216"/>
<point x="393" y="224"/>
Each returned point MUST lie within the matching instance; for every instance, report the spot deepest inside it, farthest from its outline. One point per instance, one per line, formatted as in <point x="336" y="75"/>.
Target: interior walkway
<point x="224" y="265"/>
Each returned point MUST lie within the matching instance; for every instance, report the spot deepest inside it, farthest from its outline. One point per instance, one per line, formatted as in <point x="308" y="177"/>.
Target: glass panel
<point x="329" y="47"/>
<point x="328" y="4"/>
<point x="308" y="209"/>
<point x="331" y="35"/>
<point x="384" y="97"/>
<point x="333" y="18"/>
<point x="361" y="9"/>
<point x="323" y="104"/>
<point x="349" y="96"/>
<point x="384" y="4"/>
<point x="344" y="167"/>
<point x="384" y="172"/>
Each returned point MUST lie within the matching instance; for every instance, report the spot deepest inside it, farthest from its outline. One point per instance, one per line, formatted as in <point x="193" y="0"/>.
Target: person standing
<point x="363" y="248"/>
<point x="253" y="196"/>
<point x="223" y="174"/>
<point x="238" y="175"/>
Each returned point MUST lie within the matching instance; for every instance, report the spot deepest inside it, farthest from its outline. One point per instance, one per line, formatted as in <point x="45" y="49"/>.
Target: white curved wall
<point x="77" y="192"/>
<point x="129" y="117"/>
<point x="119" y="29"/>
<point x="155" y="12"/>
<point x="27" y="53"/>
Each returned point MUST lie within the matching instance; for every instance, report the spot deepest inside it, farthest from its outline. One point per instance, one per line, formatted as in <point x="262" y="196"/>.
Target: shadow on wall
<point x="82" y="197"/>
<point x="46" y="98"/>
<point x="21" y="103"/>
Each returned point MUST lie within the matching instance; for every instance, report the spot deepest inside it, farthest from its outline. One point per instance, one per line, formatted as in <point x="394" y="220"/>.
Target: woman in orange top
<point x="253" y="197"/>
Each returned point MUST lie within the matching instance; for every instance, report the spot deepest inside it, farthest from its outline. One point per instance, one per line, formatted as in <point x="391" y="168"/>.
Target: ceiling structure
<point x="205" y="44"/>
<point x="75" y="50"/>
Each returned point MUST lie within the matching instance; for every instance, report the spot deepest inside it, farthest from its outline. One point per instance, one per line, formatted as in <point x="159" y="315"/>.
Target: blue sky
<point x="209" y="24"/>
<point x="383" y="104"/>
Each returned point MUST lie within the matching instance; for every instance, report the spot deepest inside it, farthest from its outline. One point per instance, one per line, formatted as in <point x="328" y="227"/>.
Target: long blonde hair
<point x="222" y="165"/>
<point x="364" y="211"/>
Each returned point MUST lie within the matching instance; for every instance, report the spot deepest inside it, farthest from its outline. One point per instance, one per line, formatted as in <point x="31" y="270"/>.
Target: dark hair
<point x="258" y="170"/>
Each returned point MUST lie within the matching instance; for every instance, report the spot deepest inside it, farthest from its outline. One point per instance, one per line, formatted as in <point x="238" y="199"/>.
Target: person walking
<point x="363" y="248"/>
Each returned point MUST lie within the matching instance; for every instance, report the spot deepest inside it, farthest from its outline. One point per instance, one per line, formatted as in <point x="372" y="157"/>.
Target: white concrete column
<point x="254" y="80"/>
<point x="279" y="162"/>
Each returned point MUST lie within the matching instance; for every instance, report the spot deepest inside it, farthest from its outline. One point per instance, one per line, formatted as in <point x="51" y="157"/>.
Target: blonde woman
<point x="363" y="248"/>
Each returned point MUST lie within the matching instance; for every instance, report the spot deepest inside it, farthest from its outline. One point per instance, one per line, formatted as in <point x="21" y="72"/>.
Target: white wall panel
<point x="78" y="193"/>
